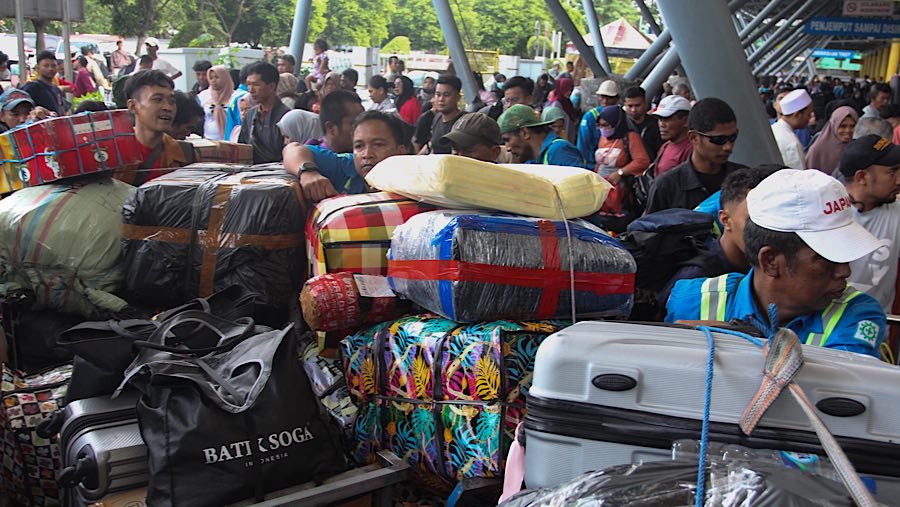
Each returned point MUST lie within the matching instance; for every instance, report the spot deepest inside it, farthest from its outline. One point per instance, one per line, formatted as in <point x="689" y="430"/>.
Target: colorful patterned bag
<point x="29" y="461"/>
<point x="444" y="396"/>
<point x="353" y="232"/>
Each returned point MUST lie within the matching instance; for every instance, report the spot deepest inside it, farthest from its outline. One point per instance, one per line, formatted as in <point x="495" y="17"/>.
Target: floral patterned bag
<point x="444" y="396"/>
<point x="30" y="461"/>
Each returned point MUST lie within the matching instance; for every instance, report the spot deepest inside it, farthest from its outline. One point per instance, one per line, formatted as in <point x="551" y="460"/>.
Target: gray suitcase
<point x="102" y="449"/>
<point x="608" y="393"/>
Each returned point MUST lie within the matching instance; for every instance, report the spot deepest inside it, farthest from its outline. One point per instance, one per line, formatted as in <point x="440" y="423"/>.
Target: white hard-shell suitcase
<point x="609" y="393"/>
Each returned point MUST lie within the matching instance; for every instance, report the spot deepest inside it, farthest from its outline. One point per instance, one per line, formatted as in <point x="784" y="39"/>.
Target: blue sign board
<point x="853" y="27"/>
<point x="836" y="53"/>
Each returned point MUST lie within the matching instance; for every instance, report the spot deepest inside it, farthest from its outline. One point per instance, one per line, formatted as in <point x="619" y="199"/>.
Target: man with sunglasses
<point x="712" y="129"/>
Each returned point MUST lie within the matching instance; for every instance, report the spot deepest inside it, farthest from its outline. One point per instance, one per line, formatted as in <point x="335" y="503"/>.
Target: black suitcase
<point x="102" y="450"/>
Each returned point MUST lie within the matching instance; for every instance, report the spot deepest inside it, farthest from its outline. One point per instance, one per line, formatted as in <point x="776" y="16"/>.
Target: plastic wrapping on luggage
<point x="335" y="302"/>
<point x="329" y="386"/>
<point x="206" y="227"/>
<point x="728" y="484"/>
<point x="62" y="244"/>
<point x="451" y="181"/>
<point x="473" y="267"/>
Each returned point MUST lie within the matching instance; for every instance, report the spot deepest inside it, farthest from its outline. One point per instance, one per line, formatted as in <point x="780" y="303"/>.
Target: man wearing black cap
<point x="869" y="167"/>
<point x="475" y="135"/>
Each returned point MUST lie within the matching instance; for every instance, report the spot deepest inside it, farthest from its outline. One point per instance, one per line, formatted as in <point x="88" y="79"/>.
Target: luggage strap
<point x="784" y="358"/>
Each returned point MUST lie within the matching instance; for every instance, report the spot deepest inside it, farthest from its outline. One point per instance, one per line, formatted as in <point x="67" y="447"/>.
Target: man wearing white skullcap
<point x="796" y="111"/>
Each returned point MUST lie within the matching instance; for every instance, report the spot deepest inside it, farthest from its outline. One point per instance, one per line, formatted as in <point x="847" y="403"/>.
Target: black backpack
<point x="661" y="243"/>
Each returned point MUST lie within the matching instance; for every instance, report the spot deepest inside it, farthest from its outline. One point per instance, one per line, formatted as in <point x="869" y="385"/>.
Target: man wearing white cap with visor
<point x="796" y="112"/>
<point x="799" y="239"/>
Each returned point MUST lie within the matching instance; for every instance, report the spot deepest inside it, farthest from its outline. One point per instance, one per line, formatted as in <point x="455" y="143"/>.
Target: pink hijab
<point x="221" y="98"/>
<point x="825" y="154"/>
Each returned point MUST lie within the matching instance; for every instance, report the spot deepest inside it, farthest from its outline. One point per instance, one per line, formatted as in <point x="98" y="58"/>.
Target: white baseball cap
<point x="151" y="41"/>
<point x="608" y="88"/>
<point x="815" y="206"/>
<point x="794" y="101"/>
<point x="671" y="104"/>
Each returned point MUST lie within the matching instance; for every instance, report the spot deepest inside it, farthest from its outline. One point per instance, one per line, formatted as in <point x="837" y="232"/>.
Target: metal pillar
<point x="772" y="23"/>
<point x="648" y="17"/>
<point x="642" y="64"/>
<point x="562" y="17"/>
<point x="893" y="60"/>
<point x="299" y="31"/>
<point x="457" y="51"/>
<point x="696" y="34"/>
<point x="755" y="22"/>
<point x="67" y="42"/>
<point x="594" y="26"/>
<point x="788" y="55"/>
<point x="661" y="71"/>
<point x="782" y="32"/>
<point x="794" y="42"/>
<point x="20" y="37"/>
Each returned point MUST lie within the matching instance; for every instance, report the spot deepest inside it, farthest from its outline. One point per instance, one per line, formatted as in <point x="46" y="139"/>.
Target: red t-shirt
<point x="155" y="166"/>
<point x="672" y="155"/>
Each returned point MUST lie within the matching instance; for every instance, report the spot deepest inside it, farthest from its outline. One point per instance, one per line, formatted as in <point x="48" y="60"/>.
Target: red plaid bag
<point x="30" y="462"/>
<point x="353" y="232"/>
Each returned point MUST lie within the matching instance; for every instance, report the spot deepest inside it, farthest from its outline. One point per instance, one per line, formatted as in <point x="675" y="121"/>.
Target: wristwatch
<point x="306" y="167"/>
<point x="621" y="172"/>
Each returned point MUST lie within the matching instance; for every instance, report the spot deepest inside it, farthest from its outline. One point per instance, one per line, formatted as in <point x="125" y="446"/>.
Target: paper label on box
<point x="372" y="286"/>
<point x="97" y="126"/>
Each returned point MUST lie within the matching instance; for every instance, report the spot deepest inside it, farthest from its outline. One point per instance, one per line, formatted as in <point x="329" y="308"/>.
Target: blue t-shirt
<point x="340" y="170"/>
<point x="861" y="328"/>
<point x="558" y="151"/>
<point x="589" y="136"/>
<point x="46" y="95"/>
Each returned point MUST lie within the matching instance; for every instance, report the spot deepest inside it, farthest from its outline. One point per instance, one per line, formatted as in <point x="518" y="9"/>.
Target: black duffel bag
<point x="229" y="421"/>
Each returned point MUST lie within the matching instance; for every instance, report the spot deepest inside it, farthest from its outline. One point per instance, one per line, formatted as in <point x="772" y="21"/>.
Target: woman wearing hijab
<point x="620" y="152"/>
<point x="214" y="100"/>
<point x="559" y="97"/>
<point x="407" y="105"/>
<point x="298" y="125"/>
<point x="287" y="89"/>
<point x="825" y="153"/>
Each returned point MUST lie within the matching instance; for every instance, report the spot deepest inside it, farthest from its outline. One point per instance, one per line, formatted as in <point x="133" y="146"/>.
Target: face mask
<point x="607" y="131"/>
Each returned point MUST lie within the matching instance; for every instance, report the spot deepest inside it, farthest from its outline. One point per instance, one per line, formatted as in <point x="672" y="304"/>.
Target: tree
<point x="358" y="22"/>
<point x="399" y="44"/>
<point x="417" y="20"/>
<point x="137" y="17"/>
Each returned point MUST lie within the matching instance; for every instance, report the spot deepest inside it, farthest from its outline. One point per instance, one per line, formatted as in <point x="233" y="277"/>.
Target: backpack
<point x="118" y="91"/>
<point x="661" y="243"/>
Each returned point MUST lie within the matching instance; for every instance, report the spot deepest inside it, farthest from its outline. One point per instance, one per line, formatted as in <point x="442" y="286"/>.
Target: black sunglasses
<point x="719" y="140"/>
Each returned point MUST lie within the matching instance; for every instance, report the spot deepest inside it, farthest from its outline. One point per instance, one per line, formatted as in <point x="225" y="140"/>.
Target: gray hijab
<point x="300" y="125"/>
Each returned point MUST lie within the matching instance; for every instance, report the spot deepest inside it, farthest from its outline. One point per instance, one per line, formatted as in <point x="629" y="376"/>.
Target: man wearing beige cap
<point x="796" y="111"/>
<point x="152" y="46"/>
<point x="800" y="239"/>
<point x="588" y="130"/>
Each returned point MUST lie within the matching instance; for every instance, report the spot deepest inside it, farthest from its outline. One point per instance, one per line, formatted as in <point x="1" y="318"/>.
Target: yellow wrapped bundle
<point x="456" y="182"/>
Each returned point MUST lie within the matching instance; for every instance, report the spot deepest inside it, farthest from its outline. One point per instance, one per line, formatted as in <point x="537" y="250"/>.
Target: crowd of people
<point x="817" y="236"/>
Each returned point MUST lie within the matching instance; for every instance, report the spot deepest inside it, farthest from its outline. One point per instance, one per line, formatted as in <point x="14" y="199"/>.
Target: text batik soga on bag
<point x="446" y="397"/>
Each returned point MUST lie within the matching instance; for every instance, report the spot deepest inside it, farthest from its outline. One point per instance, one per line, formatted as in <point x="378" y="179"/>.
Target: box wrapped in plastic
<point x="207" y="227"/>
<point x="334" y="302"/>
<point x="449" y="181"/>
<point x="663" y="483"/>
<point x="62" y="243"/>
<point x="473" y="267"/>
<point x="446" y="397"/>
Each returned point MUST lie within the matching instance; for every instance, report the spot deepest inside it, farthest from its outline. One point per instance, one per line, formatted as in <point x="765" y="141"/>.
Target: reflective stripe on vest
<point x="713" y="298"/>
<point x="546" y="160"/>
<point x="831" y="316"/>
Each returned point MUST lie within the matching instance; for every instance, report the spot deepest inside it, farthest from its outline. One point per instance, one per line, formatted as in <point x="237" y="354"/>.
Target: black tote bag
<point x="228" y="422"/>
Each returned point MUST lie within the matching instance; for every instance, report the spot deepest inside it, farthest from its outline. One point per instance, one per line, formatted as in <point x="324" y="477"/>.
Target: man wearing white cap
<point x="152" y="45"/>
<point x="796" y="111"/>
<point x="588" y="129"/>
<point x="672" y="114"/>
<point x="799" y="240"/>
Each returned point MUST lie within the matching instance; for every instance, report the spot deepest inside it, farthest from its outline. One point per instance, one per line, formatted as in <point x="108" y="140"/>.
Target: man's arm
<point x="315" y="186"/>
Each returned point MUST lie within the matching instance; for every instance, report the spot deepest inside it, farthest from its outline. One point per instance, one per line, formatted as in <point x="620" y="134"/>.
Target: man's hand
<point x="316" y="187"/>
<point x="39" y="113"/>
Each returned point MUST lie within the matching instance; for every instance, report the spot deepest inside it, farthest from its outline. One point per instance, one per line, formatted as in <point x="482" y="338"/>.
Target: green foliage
<point x="418" y="20"/>
<point x="399" y="44"/>
<point x="97" y="19"/>
<point x="534" y="45"/>
<point x="358" y="22"/>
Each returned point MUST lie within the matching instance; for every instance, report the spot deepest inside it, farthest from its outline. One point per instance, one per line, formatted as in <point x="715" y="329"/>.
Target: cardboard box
<point x="65" y="147"/>
<point x="206" y="150"/>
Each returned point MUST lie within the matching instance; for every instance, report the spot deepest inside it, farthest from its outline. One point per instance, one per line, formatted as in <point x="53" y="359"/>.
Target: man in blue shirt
<point x="588" y="130"/>
<point x="799" y="239"/>
<point x="324" y="173"/>
<point x="530" y="140"/>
